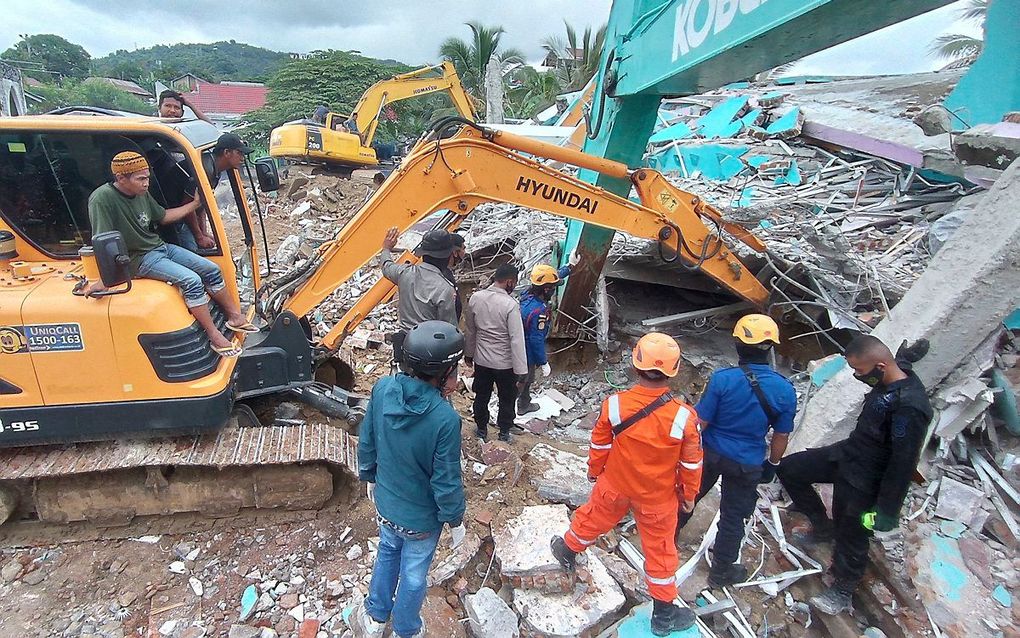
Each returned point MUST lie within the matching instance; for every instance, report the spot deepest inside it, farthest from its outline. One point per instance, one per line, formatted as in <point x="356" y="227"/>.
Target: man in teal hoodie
<point x="409" y="454"/>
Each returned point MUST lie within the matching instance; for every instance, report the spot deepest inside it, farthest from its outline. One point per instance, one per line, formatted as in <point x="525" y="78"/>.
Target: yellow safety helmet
<point x="657" y="351"/>
<point x="543" y="274"/>
<point x="756" y="329"/>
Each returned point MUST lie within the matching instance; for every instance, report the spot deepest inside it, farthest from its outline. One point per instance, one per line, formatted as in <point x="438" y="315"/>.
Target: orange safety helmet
<point x="756" y="329"/>
<point x="657" y="351"/>
<point x="543" y="274"/>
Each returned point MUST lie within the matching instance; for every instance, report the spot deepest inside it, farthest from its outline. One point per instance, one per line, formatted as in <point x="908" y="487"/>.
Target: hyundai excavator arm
<point x="480" y="165"/>
<point x="408" y="85"/>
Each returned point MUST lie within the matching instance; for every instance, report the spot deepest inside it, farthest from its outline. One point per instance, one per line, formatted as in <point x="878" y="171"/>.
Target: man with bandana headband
<point x="870" y="471"/>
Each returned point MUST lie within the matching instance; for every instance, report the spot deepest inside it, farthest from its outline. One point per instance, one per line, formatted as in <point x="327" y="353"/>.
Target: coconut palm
<point x="471" y="58"/>
<point x="958" y="46"/>
<point x="531" y="92"/>
<point x="582" y="55"/>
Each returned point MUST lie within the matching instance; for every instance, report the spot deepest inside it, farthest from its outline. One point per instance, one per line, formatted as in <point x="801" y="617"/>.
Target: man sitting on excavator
<point x="126" y="206"/>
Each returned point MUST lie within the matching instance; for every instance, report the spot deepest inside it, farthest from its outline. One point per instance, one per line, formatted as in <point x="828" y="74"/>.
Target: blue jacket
<point x="736" y="423"/>
<point x="535" y="313"/>
<point x="409" y="446"/>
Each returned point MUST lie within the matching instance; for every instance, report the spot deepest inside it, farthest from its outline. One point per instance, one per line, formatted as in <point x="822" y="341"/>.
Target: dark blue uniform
<point x="870" y="470"/>
<point x="734" y="427"/>
<point x="535" y="313"/>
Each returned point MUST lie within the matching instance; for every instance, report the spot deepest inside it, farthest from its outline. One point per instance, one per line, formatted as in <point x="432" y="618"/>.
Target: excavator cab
<point x="131" y="358"/>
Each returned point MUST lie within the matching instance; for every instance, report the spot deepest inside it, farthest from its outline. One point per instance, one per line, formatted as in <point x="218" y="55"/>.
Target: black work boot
<point x="504" y="436"/>
<point x="912" y="352"/>
<point x="820" y="531"/>
<point x="527" y="408"/>
<point x="832" y="601"/>
<point x="725" y="575"/>
<point x="482" y="434"/>
<point x="566" y="556"/>
<point x="667" y="618"/>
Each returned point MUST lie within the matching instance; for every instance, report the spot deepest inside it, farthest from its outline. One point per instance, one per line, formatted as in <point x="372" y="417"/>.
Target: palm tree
<point x="959" y="46"/>
<point x="582" y="55"/>
<point x="531" y="92"/>
<point x="471" y="58"/>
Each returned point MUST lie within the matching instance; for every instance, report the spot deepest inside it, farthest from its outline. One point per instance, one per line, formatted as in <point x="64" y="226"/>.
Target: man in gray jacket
<point x="424" y="293"/>
<point x="494" y="344"/>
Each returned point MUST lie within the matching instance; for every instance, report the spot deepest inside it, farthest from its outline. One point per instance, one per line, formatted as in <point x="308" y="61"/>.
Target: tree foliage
<point x="573" y="75"/>
<point x="337" y="80"/>
<point x="53" y="53"/>
<point x="958" y="46"/>
<point x="90" y="92"/>
<point x="531" y="91"/>
<point x="215" y="61"/>
<point x="471" y="57"/>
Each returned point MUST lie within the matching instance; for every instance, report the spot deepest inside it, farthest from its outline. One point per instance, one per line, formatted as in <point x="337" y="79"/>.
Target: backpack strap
<point x="662" y="400"/>
<point x="770" y="412"/>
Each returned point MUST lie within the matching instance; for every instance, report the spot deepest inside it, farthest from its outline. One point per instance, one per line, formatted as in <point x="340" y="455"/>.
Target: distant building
<point x="554" y="60"/>
<point x="12" y="91"/>
<point x="224" y="102"/>
<point x="126" y="86"/>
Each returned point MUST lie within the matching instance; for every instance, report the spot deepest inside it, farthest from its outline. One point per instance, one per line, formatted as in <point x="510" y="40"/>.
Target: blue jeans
<point x="178" y="233"/>
<point x="191" y="273"/>
<point x="401" y="566"/>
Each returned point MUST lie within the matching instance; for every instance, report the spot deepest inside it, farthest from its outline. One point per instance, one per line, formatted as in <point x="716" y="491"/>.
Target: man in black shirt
<point x="870" y="471"/>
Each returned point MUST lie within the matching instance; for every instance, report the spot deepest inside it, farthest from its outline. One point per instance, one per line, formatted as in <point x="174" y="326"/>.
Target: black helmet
<point x="436" y="243"/>
<point x="433" y="347"/>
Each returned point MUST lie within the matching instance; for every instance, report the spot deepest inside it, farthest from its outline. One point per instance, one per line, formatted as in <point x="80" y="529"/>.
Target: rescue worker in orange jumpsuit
<point x="645" y="456"/>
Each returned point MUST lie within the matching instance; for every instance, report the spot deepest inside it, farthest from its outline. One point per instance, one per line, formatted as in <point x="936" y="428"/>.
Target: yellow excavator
<point x="345" y="142"/>
<point x="156" y="418"/>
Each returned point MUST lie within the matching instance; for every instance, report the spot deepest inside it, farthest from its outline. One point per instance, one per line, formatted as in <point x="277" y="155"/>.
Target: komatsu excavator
<point x="131" y="378"/>
<point x="344" y="142"/>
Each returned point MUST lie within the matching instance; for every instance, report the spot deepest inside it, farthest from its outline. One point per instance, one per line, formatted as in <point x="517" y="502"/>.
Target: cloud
<point x="408" y="31"/>
<point x="402" y="30"/>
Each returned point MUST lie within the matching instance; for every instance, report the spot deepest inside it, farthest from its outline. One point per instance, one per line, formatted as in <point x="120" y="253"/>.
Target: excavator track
<point x="242" y="466"/>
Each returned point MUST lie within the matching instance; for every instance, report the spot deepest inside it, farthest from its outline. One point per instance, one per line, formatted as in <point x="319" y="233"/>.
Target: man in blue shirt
<point x="738" y="408"/>
<point x="537" y="323"/>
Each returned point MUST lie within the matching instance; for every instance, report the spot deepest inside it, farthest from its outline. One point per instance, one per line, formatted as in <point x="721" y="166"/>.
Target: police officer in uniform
<point x="870" y="471"/>
<point x="738" y="409"/>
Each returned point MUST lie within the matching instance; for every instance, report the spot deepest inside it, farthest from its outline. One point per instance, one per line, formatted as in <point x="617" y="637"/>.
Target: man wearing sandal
<point x="125" y="205"/>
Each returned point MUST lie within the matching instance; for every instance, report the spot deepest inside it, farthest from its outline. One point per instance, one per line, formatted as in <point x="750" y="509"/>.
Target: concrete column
<point x="969" y="287"/>
<point x="493" y="92"/>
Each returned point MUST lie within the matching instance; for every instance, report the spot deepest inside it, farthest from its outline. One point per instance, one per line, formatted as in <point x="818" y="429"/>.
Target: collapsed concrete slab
<point x="560" y="477"/>
<point x="489" y="616"/>
<point x="445" y="569"/>
<point x="971" y="284"/>
<point x="577" y="613"/>
<point x="522" y="544"/>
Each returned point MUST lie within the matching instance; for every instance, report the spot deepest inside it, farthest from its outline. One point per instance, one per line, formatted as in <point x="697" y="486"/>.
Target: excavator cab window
<point x="46" y="179"/>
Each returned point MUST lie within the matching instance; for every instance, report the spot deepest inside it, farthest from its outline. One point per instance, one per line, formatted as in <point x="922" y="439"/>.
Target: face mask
<point x="872" y="378"/>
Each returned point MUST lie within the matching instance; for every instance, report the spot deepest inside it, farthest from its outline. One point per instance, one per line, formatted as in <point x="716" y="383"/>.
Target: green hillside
<point x="215" y="61"/>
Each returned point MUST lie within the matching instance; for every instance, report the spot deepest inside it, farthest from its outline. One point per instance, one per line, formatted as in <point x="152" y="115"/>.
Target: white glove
<point x="574" y="258"/>
<point x="546" y="369"/>
<point x="457" y="536"/>
<point x="370" y="488"/>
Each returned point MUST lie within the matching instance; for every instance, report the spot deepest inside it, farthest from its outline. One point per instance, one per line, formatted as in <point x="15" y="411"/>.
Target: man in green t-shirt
<point x="125" y="205"/>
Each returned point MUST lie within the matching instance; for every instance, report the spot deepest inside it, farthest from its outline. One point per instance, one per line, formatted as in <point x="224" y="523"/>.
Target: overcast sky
<point x="405" y="30"/>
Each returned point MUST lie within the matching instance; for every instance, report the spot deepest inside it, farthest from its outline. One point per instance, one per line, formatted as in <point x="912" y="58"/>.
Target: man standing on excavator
<point x="738" y="408"/>
<point x="535" y="312"/>
<point x="409" y="456"/>
<point x="645" y="457"/>
<point x="870" y="471"/>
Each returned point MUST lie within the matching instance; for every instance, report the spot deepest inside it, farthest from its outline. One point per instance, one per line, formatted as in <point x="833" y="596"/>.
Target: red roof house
<point x="227" y="101"/>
